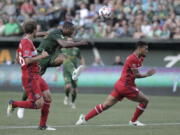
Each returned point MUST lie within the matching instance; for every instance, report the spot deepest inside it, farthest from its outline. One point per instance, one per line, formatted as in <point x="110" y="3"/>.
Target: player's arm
<point x="69" y="44"/>
<point x="137" y="74"/>
<point x="36" y="58"/>
<point x="42" y="33"/>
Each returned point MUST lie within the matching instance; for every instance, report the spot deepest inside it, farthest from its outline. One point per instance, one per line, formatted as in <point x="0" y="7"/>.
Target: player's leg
<point x="56" y="59"/>
<point x="35" y="99"/>
<point x="20" y="111"/>
<point x="76" y="72"/>
<point x="143" y="102"/>
<point x="67" y="89"/>
<point x="43" y="64"/>
<point x="73" y="94"/>
<point x="46" y="106"/>
<point x="110" y="101"/>
<point x="67" y="80"/>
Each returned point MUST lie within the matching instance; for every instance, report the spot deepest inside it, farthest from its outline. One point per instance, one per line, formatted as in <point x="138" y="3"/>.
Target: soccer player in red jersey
<point x="126" y="87"/>
<point x="39" y="96"/>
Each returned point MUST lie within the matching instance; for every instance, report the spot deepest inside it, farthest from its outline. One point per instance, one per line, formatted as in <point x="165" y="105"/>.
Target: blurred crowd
<point x="130" y="18"/>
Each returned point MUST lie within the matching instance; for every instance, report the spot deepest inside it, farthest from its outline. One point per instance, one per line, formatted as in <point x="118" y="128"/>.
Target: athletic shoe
<point x="136" y="123"/>
<point x="77" y="72"/>
<point x="10" y="108"/>
<point x="20" y="113"/>
<point x="81" y="120"/>
<point x="46" y="128"/>
<point x="73" y="106"/>
<point x="66" y="100"/>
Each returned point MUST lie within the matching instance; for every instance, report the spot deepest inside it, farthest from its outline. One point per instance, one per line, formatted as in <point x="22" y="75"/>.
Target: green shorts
<point x="68" y="68"/>
<point x="48" y="62"/>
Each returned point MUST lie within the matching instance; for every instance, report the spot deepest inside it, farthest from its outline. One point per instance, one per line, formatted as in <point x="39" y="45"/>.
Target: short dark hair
<point x="68" y="28"/>
<point x="29" y="27"/>
<point x="140" y="44"/>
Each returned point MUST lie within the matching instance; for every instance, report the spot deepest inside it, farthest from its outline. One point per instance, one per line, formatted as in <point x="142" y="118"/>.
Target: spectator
<point x="146" y="28"/>
<point x="177" y="34"/>
<point x="41" y="14"/>
<point x="12" y="28"/>
<point x="9" y="8"/>
<point x="2" y="26"/>
<point x="98" y="62"/>
<point x="118" y="61"/>
<point x="165" y="32"/>
<point x="28" y="9"/>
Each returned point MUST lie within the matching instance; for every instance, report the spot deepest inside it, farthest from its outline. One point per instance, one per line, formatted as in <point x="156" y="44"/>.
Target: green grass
<point x="160" y="110"/>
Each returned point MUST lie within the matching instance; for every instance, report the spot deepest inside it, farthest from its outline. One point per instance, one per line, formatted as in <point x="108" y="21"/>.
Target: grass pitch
<point x="162" y="117"/>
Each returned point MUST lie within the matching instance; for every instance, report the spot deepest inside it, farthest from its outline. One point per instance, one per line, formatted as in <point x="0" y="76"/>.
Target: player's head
<point x="142" y="48"/>
<point x="30" y="27"/>
<point x="68" y="29"/>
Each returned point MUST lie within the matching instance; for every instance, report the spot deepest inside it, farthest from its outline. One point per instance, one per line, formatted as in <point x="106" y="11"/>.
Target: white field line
<point x="74" y="126"/>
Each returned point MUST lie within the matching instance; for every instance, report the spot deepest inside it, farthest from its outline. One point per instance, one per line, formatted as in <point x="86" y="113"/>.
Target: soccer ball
<point x="105" y="12"/>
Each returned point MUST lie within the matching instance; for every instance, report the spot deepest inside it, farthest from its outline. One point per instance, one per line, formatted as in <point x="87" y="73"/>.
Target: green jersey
<point x="73" y="54"/>
<point x="50" y="43"/>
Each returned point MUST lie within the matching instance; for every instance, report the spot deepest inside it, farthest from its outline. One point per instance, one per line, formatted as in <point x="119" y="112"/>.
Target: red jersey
<point x="27" y="50"/>
<point x="127" y="76"/>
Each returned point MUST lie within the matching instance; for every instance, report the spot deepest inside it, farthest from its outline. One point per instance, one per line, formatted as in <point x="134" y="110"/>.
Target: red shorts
<point x="34" y="86"/>
<point x="120" y="91"/>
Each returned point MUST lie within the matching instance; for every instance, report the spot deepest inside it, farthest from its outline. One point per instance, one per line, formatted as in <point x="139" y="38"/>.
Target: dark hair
<point x="29" y="27"/>
<point x="141" y="44"/>
<point x="68" y="28"/>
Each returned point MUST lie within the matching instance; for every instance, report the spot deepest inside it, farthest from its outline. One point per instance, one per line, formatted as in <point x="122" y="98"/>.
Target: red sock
<point x="97" y="110"/>
<point x="44" y="113"/>
<point x="139" y="110"/>
<point x="24" y="104"/>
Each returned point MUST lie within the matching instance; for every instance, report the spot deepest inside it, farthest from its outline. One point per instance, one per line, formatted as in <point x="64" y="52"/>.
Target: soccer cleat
<point x="20" y="113"/>
<point x="73" y="106"/>
<point x="81" y="120"/>
<point x="77" y="72"/>
<point x="46" y="128"/>
<point x="66" y="100"/>
<point x="10" y="108"/>
<point x="136" y="123"/>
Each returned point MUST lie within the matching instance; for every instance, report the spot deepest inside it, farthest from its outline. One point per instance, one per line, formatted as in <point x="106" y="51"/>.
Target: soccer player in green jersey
<point x="73" y="58"/>
<point x="52" y="43"/>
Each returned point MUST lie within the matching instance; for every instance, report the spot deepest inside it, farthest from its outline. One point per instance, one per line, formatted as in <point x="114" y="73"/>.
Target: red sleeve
<point x="26" y="48"/>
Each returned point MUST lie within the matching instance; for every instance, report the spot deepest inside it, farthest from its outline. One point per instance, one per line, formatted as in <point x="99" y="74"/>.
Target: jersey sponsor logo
<point x="26" y="52"/>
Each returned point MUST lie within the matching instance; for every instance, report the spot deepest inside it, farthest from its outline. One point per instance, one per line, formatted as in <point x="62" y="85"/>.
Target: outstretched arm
<point x="139" y="75"/>
<point x="37" y="58"/>
<point x="69" y="44"/>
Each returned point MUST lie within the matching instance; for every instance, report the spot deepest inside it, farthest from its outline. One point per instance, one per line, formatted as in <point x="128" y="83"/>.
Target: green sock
<point x="24" y="97"/>
<point x="73" y="95"/>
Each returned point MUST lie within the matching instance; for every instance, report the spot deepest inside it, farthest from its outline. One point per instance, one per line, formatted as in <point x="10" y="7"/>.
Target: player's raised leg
<point x="143" y="102"/>
<point x="110" y="101"/>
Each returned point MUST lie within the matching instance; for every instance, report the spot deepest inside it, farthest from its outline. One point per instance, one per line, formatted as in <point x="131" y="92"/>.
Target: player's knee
<point x="146" y="101"/>
<point x="68" y="86"/>
<point x="106" y="106"/>
<point x="48" y="98"/>
<point x="39" y="104"/>
<point x="59" y="60"/>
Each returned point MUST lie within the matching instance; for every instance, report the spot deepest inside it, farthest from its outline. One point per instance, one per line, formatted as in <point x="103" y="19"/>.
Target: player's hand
<point x="151" y="72"/>
<point x="44" y="54"/>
